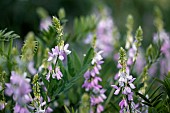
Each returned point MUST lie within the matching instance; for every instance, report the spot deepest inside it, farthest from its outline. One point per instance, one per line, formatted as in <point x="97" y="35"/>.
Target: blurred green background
<point x="21" y="15"/>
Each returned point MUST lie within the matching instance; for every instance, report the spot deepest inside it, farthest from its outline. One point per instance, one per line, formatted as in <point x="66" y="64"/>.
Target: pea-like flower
<point x="91" y="83"/>
<point x="19" y="88"/>
<point x="59" y="52"/>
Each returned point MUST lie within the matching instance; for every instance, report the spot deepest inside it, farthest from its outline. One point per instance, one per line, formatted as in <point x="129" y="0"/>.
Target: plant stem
<point x="2" y="45"/>
<point x="10" y="48"/>
<point x="110" y="96"/>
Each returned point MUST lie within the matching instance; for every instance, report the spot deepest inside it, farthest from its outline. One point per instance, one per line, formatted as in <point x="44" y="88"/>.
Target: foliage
<point x="51" y="66"/>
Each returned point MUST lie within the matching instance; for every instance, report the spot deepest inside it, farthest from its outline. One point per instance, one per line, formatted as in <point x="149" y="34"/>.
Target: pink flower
<point x="58" y="52"/>
<point x="123" y="104"/>
<point x="117" y="89"/>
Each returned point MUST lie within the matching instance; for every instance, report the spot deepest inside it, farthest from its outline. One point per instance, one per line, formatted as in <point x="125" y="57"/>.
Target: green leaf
<point x="89" y="56"/>
<point x="160" y="81"/>
<point x="156" y="103"/>
<point x="75" y="78"/>
<point x="153" y="110"/>
<point x="67" y="110"/>
<point x="143" y="97"/>
<point x="70" y="64"/>
<point x="77" y="62"/>
<point x="1" y="51"/>
<point x="167" y="85"/>
<point x="8" y="35"/>
<point x="157" y="97"/>
<point x="150" y="85"/>
<point x="154" y="92"/>
<point x="72" y="110"/>
<point x="147" y="104"/>
<point x="2" y="90"/>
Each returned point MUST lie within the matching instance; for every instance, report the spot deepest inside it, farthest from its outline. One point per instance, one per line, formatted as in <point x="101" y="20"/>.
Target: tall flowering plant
<point x="91" y="83"/>
<point x="125" y="85"/>
<point x="51" y="74"/>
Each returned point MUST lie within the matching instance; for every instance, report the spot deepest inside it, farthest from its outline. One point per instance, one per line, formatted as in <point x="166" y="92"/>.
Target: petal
<point x="66" y="46"/>
<point x="129" y="77"/>
<point x="128" y="90"/>
<point x="132" y="86"/>
<point x="114" y="86"/>
<point x="67" y="52"/>
<point x="61" y="57"/>
<point x="50" y="59"/>
<point x="132" y="80"/>
<point x="117" y="91"/>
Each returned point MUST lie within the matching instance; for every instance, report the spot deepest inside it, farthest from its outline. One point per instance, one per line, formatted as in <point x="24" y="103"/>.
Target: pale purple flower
<point x="87" y="74"/>
<point x="91" y="83"/>
<point x="125" y="85"/>
<point x="163" y="66"/>
<point x="57" y="74"/>
<point x="45" y="23"/>
<point x="140" y="62"/>
<point x="130" y="96"/>
<point x="117" y="89"/>
<point x="98" y="97"/>
<point x="20" y="109"/>
<point x="162" y="36"/>
<point x="88" y="38"/>
<point x="165" y="49"/>
<point x="97" y="58"/>
<point x="48" y="110"/>
<point x="31" y="68"/>
<point x="59" y="52"/>
<point x="65" y="50"/>
<point x="2" y="105"/>
<point x="131" y="84"/>
<point x="19" y="87"/>
<point x="116" y="76"/>
<point x="87" y="85"/>
<point x="123" y="104"/>
<point x="49" y="72"/>
<point x="122" y="79"/>
<point x="100" y="108"/>
<point x="105" y="35"/>
<point x="126" y="90"/>
<point x="116" y="57"/>
<point x="153" y="69"/>
<point x="43" y="103"/>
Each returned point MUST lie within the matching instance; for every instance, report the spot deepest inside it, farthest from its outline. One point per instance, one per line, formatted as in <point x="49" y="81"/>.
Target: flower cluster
<point x="91" y="83"/>
<point x="164" y="63"/>
<point x="134" y="58"/>
<point x="107" y="34"/>
<point x="20" y="88"/>
<point x="125" y="85"/>
<point x="59" y="52"/>
<point x="55" y="73"/>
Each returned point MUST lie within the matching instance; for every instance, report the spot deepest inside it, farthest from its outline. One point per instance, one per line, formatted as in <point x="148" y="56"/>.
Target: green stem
<point x="2" y="45"/>
<point x="10" y="48"/>
<point x="110" y="96"/>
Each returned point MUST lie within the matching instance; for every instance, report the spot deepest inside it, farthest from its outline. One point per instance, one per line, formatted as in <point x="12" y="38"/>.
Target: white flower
<point x="66" y="49"/>
<point x="97" y="57"/>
